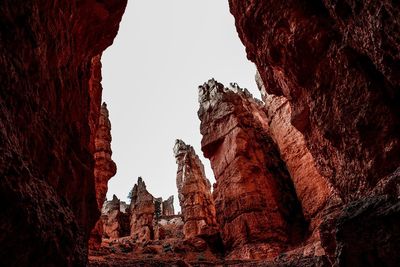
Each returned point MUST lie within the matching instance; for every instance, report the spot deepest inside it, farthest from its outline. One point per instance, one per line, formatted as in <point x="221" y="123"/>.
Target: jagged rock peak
<point x="211" y="91"/>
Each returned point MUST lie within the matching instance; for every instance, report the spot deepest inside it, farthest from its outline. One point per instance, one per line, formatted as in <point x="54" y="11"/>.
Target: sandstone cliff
<point x="257" y="207"/>
<point x="194" y="191"/>
<point x="49" y="109"/>
<point x="337" y="64"/>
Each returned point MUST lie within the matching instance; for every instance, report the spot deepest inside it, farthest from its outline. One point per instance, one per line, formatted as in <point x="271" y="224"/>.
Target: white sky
<point x="163" y="51"/>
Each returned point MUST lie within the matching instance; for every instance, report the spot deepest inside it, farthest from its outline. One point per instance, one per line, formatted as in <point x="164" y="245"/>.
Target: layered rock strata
<point x="194" y="191"/>
<point x="49" y="109"/>
<point x="257" y="207"/>
<point x="142" y="209"/>
<point x="104" y="169"/>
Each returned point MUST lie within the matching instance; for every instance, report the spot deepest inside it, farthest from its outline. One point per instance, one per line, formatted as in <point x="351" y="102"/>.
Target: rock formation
<point x="142" y="211"/>
<point x="313" y="190"/>
<point x="337" y="64"/>
<point x="49" y="108"/>
<point x="104" y="169"/>
<point x="168" y="207"/>
<point x="115" y="222"/>
<point x="194" y="191"/>
<point x="256" y="204"/>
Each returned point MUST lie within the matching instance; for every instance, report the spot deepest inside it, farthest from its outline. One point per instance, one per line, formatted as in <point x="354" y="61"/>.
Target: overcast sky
<point x="164" y="50"/>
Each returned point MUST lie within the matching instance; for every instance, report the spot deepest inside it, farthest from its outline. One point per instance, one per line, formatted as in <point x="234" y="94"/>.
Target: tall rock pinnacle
<point x="257" y="208"/>
<point x="194" y="191"/>
<point x="104" y="169"/>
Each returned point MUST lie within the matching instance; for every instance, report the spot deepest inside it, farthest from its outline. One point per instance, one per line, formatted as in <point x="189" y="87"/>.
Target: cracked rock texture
<point x="49" y="110"/>
<point x="257" y="207"/>
<point x="194" y="191"/>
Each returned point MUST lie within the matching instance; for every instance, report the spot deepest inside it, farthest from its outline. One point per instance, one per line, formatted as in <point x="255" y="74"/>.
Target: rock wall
<point x="142" y="210"/>
<point x="337" y="62"/>
<point x="104" y="169"/>
<point x="313" y="190"/>
<point x="49" y="110"/>
<point x="257" y="207"/>
<point x="194" y="191"/>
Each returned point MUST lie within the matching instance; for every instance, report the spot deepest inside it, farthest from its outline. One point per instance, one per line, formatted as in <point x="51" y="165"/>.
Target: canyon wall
<point x="194" y="191"/>
<point x="338" y="63"/>
<point x="313" y="190"/>
<point x="333" y="67"/>
<point x="49" y="111"/>
<point x="257" y="207"/>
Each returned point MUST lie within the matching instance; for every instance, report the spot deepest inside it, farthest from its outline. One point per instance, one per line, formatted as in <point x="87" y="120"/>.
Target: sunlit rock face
<point x="142" y="211"/>
<point x="194" y="191"/>
<point x="313" y="190"/>
<point x="104" y="169"/>
<point x="49" y="111"/>
<point x="256" y="203"/>
<point x="337" y="64"/>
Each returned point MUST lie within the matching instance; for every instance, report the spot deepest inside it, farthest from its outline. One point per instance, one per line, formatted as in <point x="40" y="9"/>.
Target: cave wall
<point x="49" y="109"/>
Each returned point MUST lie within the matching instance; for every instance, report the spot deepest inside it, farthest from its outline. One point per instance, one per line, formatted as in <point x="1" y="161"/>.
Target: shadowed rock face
<point x="104" y="169"/>
<point x="338" y="64"/>
<point x="194" y="191"/>
<point x="49" y="111"/>
<point x="256" y="204"/>
<point x="142" y="211"/>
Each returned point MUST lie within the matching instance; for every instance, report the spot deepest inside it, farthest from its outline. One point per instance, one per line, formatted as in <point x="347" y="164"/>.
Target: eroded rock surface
<point x="104" y="169"/>
<point x="312" y="189"/>
<point x="115" y="222"/>
<point x="49" y="111"/>
<point x="142" y="211"/>
<point x="337" y="63"/>
<point x="168" y="207"/>
<point x="194" y="191"/>
<point x="256" y="203"/>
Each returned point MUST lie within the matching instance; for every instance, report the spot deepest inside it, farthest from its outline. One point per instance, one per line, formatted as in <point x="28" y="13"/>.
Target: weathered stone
<point x="115" y="222"/>
<point x="49" y="111"/>
<point x="337" y="62"/>
<point x="194" y="191"/>
<point x="168" y="207"/>
<point x="256" y="204"/>
<point x="142" y="211"/>
<point x="312" y="189"/>
<point x="104" y="169"/>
